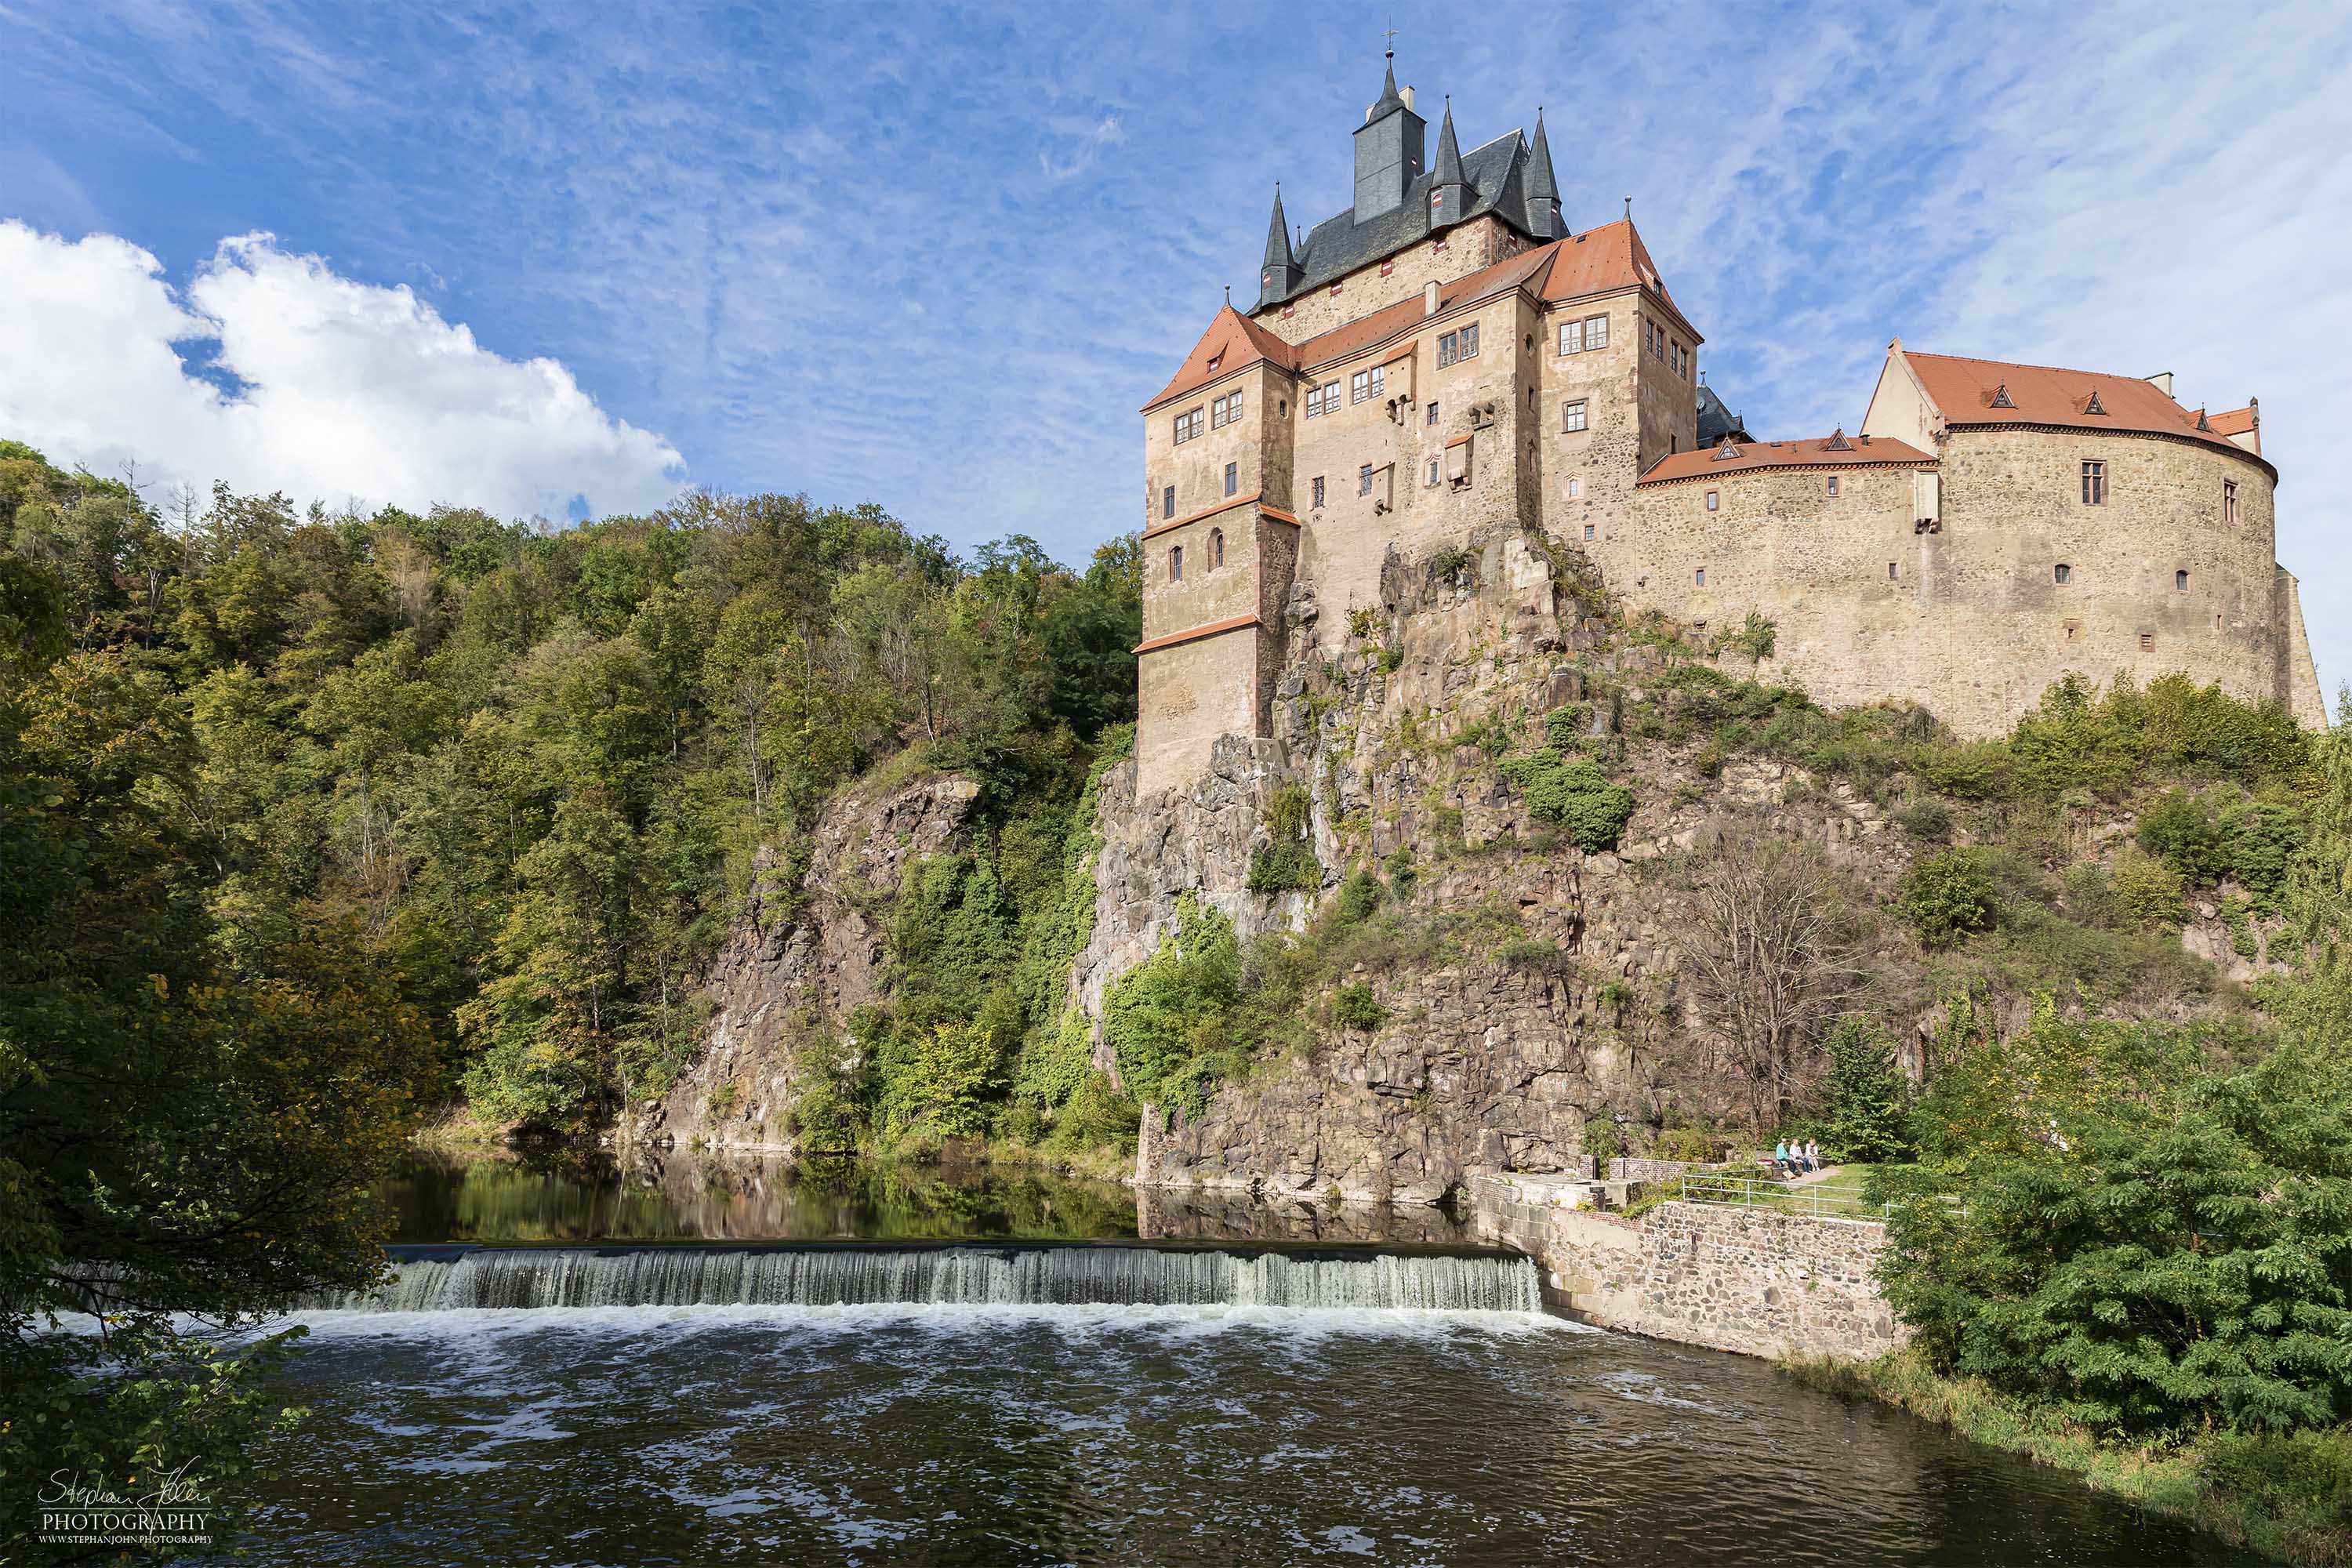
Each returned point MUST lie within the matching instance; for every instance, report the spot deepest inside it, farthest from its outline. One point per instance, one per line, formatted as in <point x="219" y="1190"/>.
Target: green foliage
<point x="1359" y="895"/>
<point x="2182" y="832"/>
<point x="1756" y="636"/>
<point x="1604" y="1139"/>
<point x="1165" y="1019"/>
<point x="1353" y="1006"/>
<point x="1864" y="1113"/>
<point x="1948" y="895"/>
<point x="1286" y="862"/>
<point x="1928" y="821"/>
<point x="2147" y="890"/>
<point x="2148" y="1240"/>
<point x="1564" y="787"/>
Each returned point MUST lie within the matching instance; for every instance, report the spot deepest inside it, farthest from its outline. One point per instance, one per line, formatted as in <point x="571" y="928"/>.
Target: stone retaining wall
<point x="1747" y="1280"/>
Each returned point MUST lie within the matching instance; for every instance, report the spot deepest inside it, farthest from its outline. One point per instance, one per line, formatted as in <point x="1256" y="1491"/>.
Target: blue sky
<point x="937" y="259"/>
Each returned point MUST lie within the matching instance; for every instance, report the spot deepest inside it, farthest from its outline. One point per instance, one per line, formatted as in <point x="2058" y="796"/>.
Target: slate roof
<point x="1340" y="245"/>
<point x="1851" y="452"/>
<point x="1715" y="420"/>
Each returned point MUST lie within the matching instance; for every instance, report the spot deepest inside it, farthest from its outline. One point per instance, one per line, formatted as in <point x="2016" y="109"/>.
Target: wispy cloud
<point x="937" y="257"/>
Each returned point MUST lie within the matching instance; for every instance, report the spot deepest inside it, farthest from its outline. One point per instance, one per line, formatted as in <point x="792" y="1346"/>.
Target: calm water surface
<point x="923" y="1435"/>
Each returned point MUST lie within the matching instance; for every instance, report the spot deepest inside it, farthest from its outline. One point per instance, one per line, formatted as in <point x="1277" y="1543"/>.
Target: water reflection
<point x="569" y="1195"/>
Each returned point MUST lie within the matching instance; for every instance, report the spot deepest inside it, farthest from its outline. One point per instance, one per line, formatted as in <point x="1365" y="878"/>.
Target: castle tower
<point x="1387" y="151"/>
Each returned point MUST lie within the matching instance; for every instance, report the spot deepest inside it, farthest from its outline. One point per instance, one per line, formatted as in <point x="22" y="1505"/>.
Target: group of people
<point x="1791" y="1158"/>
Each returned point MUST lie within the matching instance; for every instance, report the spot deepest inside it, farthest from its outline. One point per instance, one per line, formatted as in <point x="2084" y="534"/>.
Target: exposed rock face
<point x="1484" y="1063"/>
<point x="799" y="960"/>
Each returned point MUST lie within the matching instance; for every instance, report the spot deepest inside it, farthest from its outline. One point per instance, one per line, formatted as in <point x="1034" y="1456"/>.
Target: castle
<point x="1446" y="356"/>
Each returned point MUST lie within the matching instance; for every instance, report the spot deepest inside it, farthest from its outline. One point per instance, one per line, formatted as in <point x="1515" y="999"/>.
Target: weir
<point x="440" y="1278"/>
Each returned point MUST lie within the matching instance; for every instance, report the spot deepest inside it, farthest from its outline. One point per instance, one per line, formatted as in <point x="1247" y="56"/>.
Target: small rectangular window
<point x="2062" y="573"/>
<point x="2230" y="500"/>
<point x="1572" y="337"/>
<point x="1168" y="502"/>
<point x="1447" y="344"/>
<point x="1702" y="576"/>
<point x="1318" y="489"/>
<point x="1833" y="484"/>
<point x="1890" y="570"/>
<point x="2147" y="642"/>
<point x="2180" y="581"/>
<point x="1224" y="411"/>
<point x="1176" y="564"/>
<point x="1188" y="426"/>
<point x="1571" y="415"/>
<point x="1575" y="490"/>
<point x="1432" y="411"/>
<point x="2094" y="484"/>
<point x="1433" y="471"/>
<point x="1596" y="333"/>
<point x="1713" y="500"/>
<point x="1364" y="481"/>
<point x="1233" y="478"/>
<point x="1470" y="341"/>
<point x="1588" y="531"/>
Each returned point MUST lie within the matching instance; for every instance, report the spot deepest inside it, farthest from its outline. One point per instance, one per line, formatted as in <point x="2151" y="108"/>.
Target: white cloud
<point x="340" y="391"/>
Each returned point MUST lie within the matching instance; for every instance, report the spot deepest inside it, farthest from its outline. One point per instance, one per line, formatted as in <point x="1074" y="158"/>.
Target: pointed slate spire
<point x="1390" y="97"/>
<point x="1281" y="272"/>
<point x="1449" y="189"/>
<point x="1543" y="187"/>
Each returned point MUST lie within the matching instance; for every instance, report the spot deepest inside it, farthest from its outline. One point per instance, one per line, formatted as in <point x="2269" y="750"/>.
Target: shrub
<point x="2262" y="842"/>
<point x="1604" y="1138"/>
<point x="1286" y="862"/>
<point x="1402" y="873"/>
<point x="1162" y="1017"/>
<point x="2148" y="890"/>
<point x="1576" y="794"/>
<point x="2181" y="832"/>
<point x="2145" y="1246"/>
<point x="1359" y="895"/>
<point x="1950" y="895"/>
<point x="1353" y="1006"/>
<point x="1929" y="821"/>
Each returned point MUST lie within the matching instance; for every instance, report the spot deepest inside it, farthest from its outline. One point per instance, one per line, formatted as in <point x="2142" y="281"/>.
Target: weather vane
<point x="1391" y="35"/>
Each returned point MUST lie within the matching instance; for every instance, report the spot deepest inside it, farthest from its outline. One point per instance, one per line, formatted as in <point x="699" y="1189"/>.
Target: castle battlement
<point x="1444" y="357"/>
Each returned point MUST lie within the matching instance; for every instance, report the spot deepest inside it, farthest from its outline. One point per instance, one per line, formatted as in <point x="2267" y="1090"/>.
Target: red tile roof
<point x="1965" y="390"/>
<point x="1858" y="452"/>
<point x="1232" y="341"/>
<point x="2236" y="421"/>
<point x="1599" y="260"/>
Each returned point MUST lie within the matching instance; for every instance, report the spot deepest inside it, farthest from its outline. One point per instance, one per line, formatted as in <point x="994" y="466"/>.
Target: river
<point x="1210" y="1429"/>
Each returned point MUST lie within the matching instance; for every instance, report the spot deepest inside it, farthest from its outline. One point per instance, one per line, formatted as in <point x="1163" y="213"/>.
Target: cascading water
<point x="437" y="1280"/>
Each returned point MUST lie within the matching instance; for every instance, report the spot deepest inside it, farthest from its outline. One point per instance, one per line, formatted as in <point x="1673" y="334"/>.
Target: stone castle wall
<point x="1746" y="1279"/>
<point x="1970" y="621"/>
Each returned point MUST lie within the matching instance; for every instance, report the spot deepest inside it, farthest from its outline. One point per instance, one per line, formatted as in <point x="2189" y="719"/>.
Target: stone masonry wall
<point x="1744" y="1279"/>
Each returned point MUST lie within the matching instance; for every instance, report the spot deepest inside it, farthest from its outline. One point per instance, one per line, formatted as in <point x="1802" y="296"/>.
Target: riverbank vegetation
<point x="311" y="825"/>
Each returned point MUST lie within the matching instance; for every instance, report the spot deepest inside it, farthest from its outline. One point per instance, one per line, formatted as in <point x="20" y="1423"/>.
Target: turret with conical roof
<point x="1543" y="188"/>
<point x="1449" y="189"/>
<point x="1389" y="146"/>
<point x="1282" y="271"/>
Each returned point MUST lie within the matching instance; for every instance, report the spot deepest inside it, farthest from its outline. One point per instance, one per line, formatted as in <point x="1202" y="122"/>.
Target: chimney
<point x="1406" y="93"/>
<point x="1429" y="298"/>
<point x="2162" y="382"/>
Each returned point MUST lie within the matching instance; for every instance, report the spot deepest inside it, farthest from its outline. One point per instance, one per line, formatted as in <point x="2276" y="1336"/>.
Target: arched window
<point x="2180" y="581"/>
<point x="2061" y="572"/>
<point x="1176" y="564"/>
<point x="1216" y="548"/>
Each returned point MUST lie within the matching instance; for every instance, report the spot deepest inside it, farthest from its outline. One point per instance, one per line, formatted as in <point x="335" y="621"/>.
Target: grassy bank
<point x="2289" y="1496"/>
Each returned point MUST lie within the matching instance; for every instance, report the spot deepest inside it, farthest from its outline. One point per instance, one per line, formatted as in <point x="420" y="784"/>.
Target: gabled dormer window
<point x="2095" y="405"/>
